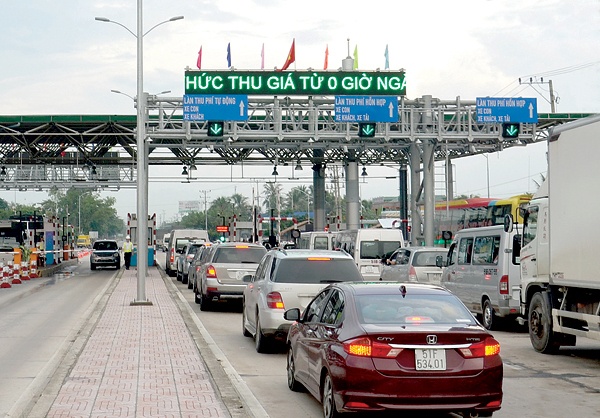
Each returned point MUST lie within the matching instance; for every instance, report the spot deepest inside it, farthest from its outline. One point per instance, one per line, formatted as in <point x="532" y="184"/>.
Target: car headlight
<point x="116" y="255"/>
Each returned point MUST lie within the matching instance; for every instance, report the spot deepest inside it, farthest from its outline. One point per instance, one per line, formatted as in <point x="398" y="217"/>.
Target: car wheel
<point x="261" y="342"/>
<point x="245" y="331"/>
<point x="488" y="317"/>
<point x="293" y="384"/>
<point x="184" y="278"/>
<point x="328" y="401"/>
<point x="178" y="275"/>
<point x="196" y="297"/>
<point x="118" y="266"/>
<point x="92" y="266"/>
<point x="190" y="283"/>
<point x="204" y="302"/>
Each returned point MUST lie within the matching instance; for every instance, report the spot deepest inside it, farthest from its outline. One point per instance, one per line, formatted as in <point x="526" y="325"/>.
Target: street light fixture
<point x="142" y="161"/>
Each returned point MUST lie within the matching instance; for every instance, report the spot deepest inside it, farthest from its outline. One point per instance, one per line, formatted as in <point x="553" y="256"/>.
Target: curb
<point x="234" y="392"/>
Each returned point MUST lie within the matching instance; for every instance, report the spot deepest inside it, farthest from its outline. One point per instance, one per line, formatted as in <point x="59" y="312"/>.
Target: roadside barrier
<point x="25" y="271"/>
<point x="5" y="284"/>
<point x="16" y="273"/>
<point x="33" y="270"/>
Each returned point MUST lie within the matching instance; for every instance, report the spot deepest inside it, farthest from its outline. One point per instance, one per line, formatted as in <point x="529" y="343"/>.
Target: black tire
<point x="261" y="342"/>
<point x="184" y="278"/>
<point x="189" y="282"/>
<point x="488" y="316"/>
<point x="539" y="319"/>
<point x="118" y="266"/>
<point x="92" y="266"/>
<point x="177" y="275"/>
<point x="204" y="302"/>
<point x="197" y="298"/>
<point x="293" y="384"/>
<point x="245" y="331"/>
<point x="328" y="400"/>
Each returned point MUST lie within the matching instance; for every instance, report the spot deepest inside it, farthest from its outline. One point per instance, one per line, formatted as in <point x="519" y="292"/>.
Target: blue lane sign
<point x="506" y="109"/>
<point x="366" y="109"/>
<point x="202" y="107"/>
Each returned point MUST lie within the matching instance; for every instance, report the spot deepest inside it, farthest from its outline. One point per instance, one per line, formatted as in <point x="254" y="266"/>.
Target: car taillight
<point x="211" y="272"/>
<point x="274" y="301"/>
<point x="364" y="347"/>
<point x="488" y="347"/>
<point x="412" y="274"/>
<point x="503" y="285"/>
<point x="172" y="256"/>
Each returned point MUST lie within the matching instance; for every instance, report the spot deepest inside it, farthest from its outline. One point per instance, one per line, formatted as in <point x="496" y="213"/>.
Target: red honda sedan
<point x="376" y="346"/>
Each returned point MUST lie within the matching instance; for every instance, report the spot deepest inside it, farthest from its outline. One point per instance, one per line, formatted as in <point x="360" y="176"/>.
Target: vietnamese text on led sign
<point x="295" y="83"/>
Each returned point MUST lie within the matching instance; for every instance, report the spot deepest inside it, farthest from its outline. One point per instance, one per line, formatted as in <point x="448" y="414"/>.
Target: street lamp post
<point x="142" y="165"/>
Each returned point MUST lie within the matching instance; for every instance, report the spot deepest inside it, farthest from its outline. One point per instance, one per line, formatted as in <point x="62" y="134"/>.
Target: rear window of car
<point x="412" y="309"/>
<point x="372" y="250"/>
<point x="305" y="270"/>
<point x="427" y="258"/>
<point x="105" y="246"/>
<point x="242" y="254"/>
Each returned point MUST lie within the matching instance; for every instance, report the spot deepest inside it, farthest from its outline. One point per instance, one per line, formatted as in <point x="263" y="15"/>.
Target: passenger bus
<point x="454" y="215"/>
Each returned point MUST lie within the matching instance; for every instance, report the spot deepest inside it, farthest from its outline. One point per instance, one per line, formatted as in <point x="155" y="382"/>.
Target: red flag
<point x="326" y="57"/>
<point x="199" y="61"/>
<point x="291" y="56"/>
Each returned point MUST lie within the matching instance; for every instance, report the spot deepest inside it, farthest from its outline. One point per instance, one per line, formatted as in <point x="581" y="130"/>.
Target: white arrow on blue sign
<point x="202" y="107"/>
<point x="366" y="109"/>
<point x="506" y="110"/>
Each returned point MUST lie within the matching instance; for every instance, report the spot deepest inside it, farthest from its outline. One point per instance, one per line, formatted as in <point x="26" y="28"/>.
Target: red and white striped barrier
<point x="25" y="271"/>
<point x="5" y="284"/>
<point x="15" y="270"/>
<point x="33" y="270"/>
<point x="83" y="253"/>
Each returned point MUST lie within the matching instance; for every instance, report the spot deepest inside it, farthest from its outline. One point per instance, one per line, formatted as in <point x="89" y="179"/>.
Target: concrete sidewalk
<point x="141" y="361"/>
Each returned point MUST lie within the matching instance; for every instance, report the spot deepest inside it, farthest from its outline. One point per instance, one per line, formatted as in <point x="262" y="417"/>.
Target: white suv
<point x="288" y="279"/>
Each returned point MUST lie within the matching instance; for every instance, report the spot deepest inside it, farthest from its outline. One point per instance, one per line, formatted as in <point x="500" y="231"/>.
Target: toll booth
<point x="132" y="231"/>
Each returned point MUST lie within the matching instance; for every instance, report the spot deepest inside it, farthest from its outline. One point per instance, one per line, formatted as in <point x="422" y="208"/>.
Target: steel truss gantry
<point x="100" y="150"/>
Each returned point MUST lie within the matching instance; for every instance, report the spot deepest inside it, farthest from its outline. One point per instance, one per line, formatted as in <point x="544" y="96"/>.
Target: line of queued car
<point x="356" y="346"/>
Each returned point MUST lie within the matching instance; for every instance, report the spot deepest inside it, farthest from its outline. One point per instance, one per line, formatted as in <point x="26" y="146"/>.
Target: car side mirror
<point x="439" y="261"/>
<point x="247" y="278"/>
<point x="292" y="314"/>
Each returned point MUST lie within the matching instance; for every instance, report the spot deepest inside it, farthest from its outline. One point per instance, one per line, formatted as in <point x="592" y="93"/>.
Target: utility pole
<point x="533" y="81"/>
<point x="205" y="209"/>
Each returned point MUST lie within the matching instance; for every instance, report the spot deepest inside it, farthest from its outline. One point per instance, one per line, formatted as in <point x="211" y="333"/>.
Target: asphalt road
<point x="535" y="385"/>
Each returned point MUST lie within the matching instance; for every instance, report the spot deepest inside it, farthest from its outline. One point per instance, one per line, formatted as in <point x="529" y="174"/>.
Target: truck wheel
<point x="541" y="334"/>
<point x="488" y="317"/>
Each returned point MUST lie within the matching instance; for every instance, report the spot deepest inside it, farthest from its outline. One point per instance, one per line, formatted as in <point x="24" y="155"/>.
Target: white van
<point x="482" y="269"/>
<point x="179" y="238"/>
<point x="316" y="240"/>
<point x="368" y="247"/>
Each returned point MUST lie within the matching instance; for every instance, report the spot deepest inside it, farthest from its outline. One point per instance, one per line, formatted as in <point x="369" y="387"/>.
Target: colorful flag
<point x="262" y="58"/>
<point x="387" y="58"/>
<point x="326" y="57"/>
<point x="199" y="60"/>
<point x="229" y="55"/>
<point x="356" y="57"/>
<point x="291" y="56"/>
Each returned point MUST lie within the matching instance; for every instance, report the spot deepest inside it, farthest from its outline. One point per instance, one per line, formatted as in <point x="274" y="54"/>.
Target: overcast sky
<point x="56" y="59"/>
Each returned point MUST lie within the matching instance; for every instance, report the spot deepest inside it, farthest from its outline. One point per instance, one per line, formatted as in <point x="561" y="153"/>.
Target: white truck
<point x="560" y="280"/>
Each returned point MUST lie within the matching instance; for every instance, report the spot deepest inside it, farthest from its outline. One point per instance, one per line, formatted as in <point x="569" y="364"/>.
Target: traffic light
<point x="366" y="130"/>
<point x="510" y="130"/>
<point x="214" y="128"/>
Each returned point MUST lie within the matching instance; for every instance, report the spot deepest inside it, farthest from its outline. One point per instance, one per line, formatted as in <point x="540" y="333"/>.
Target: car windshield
<point x="427" y="258"/>
<point x="242" y="254"/>
<point x="372" y="250"/>
<point x="106" y="246"/>
<point x="316" y="271"/>
<point x="412" y="309"/>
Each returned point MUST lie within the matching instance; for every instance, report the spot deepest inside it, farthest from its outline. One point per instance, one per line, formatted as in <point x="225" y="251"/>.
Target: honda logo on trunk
<point x="431" y="339"/>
